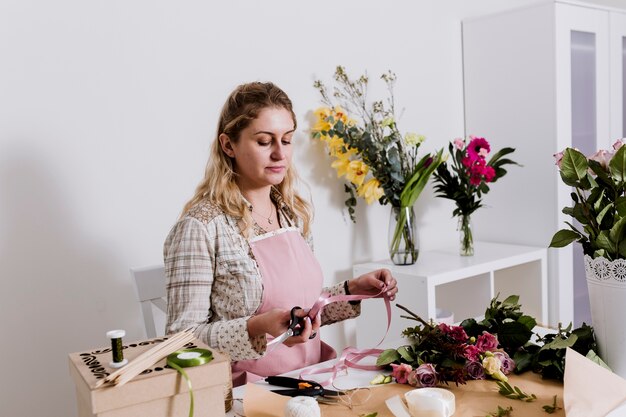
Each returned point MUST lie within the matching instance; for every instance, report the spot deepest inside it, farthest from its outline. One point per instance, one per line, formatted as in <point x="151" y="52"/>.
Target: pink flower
<point x="455" y="332"/>
<point x="557" y="159"/>
<point x="472" y="353"/>
<point x="459" y="143"/>
<point x="401" y="372"/>
<point x="424" y="376"/>
<point x="507" y="364"/>
<point x="618" y="144"/>
<point x="602" y="157"/>
<point x="487" y="342"/>
<point x="478" y="148"/>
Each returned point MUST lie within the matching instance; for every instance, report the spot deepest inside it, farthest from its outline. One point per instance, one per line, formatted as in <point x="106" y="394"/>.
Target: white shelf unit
<point x="463" y="285"/>
<point x="542" y="78"/>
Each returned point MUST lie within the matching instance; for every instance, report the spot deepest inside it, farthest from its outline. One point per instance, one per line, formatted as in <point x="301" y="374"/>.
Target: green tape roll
<point x="186" y="358"/>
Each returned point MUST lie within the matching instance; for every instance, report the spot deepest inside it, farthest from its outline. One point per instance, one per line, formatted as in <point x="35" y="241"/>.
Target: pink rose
<point x="487" y="342"/>
<point x="507" y="364"/>
<point x="557" y="159"/>
<point x="424" y="376"/>
<point x="618" y="144"/>
<point x="455" y="332"/>
<point x="603" y="158"/>
<point x="459" y="143"/>
<point x="401" y="372"/>
<point x="475" y="370"/>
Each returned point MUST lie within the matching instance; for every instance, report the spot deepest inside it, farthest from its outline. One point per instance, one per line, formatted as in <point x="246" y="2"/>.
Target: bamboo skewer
<point x="148" y="358"/>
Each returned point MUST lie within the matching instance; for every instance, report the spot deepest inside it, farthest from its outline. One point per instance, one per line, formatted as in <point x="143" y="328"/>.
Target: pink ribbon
<point x="351" y="356"/>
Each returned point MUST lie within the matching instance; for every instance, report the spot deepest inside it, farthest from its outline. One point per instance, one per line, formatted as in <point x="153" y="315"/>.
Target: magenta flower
<point x="455" y="332"/>
<point x="472" y="353"/>
<point x="507" y="364"/>
<point x="487" y="342"/>
<point x="475" y="370"/>
<point x="424" y="376"/>
<point x="401" y="372"/>
<point x="478" y="148"/>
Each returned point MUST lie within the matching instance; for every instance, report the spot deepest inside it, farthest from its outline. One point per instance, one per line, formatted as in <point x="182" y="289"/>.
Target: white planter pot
<point x="606" y="281"/>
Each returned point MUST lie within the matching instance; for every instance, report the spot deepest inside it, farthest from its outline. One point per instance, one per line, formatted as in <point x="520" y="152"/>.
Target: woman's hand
<point x="276" y="322"/>
<point x="373" y="282"/>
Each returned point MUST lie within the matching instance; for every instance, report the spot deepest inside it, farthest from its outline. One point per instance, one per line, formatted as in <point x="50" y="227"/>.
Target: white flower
<point x="413" y="139"/>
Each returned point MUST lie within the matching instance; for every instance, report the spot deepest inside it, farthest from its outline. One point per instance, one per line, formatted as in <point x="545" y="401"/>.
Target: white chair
<point x="150" y="283"/>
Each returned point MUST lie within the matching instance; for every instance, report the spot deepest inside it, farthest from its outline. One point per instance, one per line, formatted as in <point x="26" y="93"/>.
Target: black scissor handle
<point x="295" y="321"/>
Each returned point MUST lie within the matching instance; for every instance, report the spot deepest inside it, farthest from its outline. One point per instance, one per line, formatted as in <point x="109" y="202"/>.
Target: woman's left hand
<point x="373" y="282"/>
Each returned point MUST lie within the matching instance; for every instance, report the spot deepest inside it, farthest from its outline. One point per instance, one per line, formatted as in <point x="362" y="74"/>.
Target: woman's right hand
<point x="276" y="322"/>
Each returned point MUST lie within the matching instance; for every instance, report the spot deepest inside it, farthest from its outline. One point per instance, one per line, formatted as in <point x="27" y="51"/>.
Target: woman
<point x="239" y="258"/>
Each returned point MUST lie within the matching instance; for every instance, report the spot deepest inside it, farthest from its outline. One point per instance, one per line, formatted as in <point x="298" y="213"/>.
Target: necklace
<point x="268" y="218"/>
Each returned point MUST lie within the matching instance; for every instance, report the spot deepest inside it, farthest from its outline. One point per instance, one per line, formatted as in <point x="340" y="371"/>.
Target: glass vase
<point x="403" y="240"/>
<point x="466" y="239"/>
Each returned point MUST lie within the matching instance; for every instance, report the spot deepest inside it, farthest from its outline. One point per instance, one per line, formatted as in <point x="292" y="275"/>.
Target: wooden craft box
<point x="157" y="392"/>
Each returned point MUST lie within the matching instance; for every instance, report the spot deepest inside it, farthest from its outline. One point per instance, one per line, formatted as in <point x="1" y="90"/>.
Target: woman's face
<point x="263" y="152"/>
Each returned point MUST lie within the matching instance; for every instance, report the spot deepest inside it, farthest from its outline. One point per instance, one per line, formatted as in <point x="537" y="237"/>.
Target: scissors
<point x="296" y="324"/>
<point x="299" y="387"/>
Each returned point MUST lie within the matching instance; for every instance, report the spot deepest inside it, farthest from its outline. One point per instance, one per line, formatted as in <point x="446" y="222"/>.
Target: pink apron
<point x="291" y="277"/>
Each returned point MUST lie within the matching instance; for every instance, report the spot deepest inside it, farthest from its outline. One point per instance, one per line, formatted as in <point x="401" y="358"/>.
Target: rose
<point x="487" y="342"/>
<point x="472" y="353"/>
<point x="424" y="376"/>
<point x="401" y="372"/>
<point x="457" y="333"/>
<point x="475" y="370"/>
<point x="507" y="365"/>
<point x="492" y="365"/>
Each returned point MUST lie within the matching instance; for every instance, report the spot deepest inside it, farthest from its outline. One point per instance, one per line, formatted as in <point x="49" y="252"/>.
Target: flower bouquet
<point x="379" y="163"/>
<point x="599" y="195"/>
<point x="492" y="348"/>
<point x="599" y="201"/>
<point x="465" y="181"/>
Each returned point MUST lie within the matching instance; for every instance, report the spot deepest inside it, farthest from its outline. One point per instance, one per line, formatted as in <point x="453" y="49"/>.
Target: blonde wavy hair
<point x="218" y="185"/>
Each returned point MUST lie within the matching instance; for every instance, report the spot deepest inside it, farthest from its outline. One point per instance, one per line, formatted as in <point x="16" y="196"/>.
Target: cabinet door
<point x="618" y="75"/>
<point x="582" y="89"/>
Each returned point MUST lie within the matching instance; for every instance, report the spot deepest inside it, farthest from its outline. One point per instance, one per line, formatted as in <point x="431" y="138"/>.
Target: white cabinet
<point x="463" y="285"/>
<point x="539" y="79"/>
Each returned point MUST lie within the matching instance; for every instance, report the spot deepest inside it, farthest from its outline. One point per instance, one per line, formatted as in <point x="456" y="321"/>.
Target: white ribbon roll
<point x="435" y="402"/>
<point x="302" y="407"/>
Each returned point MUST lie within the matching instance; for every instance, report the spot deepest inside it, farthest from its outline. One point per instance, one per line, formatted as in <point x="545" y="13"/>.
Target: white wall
<point x="107" y="109"/>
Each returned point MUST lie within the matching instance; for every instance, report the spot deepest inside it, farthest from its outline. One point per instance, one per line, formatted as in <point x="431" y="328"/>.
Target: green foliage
<point x="501" y="412"/>
<point x="514" y="393"/>
<point x="552" y="408"/>
<point x="599" y="204"/>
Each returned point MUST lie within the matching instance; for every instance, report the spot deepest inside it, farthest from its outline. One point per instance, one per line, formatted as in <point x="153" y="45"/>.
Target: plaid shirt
<point x="214" y="284"/>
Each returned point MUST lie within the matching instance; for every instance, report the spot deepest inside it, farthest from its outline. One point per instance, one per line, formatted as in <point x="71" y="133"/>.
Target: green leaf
<point x="591" y="355"/>
<point x="387" y="356"/>
<point x="563" y="238"/>
<point x="405" y="353"/>
<point x="573" y="165"/>
<point x="528" y="321"/>
<point x="603" y="241"/>
<point x="603" y="212"/>
<point x="560" y="343"/>
<point x="511" y="300"/>
<point x="617" y="231"/>
<point x="617" y="165"/>
<point x="620" y="205"/>
<point x="513" y="334"/>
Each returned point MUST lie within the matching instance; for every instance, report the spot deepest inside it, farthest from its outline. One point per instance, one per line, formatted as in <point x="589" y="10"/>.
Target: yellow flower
<point x="336" y="146"/>
<point x="341" y="164"/>
<point x="492" y="366"/>
<point x="370" y="191"/>
<point x="322" y="123"/>
<point x="357" y="171"/>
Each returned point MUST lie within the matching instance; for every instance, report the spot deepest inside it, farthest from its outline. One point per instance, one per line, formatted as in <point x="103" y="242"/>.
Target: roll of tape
<point x="186" y="358"/>
<point x="302" y="407"/>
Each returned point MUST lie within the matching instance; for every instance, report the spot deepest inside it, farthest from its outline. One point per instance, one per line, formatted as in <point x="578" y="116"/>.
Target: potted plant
<point x="599" y="185"/>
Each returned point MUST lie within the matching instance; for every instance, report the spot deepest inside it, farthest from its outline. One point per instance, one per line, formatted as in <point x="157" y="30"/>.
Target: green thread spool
<point x="186" y="358"/>
<point x="117" y="348"/>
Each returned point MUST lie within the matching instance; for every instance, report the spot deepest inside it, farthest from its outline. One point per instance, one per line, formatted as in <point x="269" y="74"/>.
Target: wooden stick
<point x="148" y="358"/>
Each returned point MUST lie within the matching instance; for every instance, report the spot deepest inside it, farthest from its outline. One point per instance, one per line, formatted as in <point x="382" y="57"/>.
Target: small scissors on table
<point x="299" y="387"/>
<point x="296" y="324"/>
